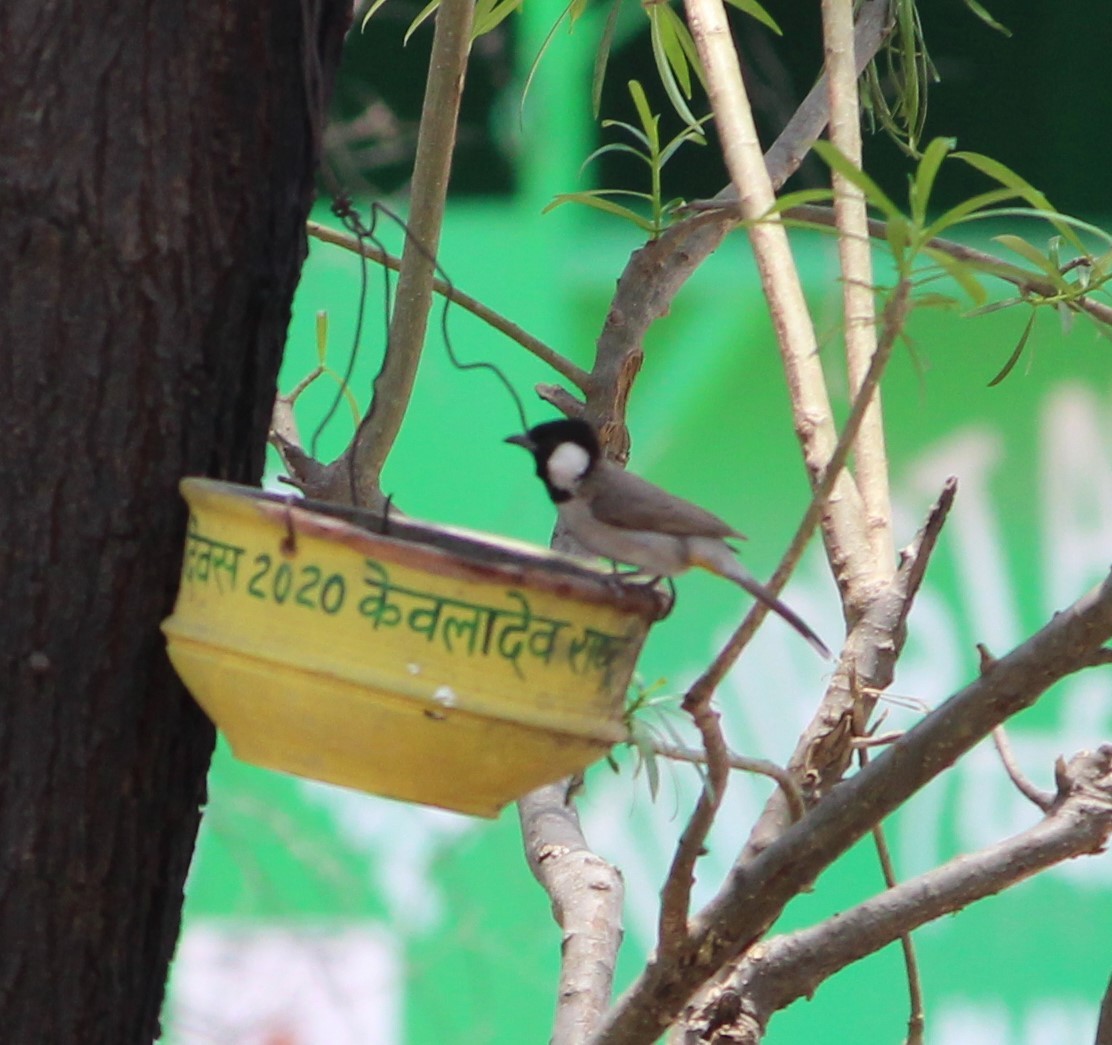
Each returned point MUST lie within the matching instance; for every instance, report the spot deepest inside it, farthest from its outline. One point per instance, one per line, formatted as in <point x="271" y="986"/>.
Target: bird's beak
<point x="523" y="441"/>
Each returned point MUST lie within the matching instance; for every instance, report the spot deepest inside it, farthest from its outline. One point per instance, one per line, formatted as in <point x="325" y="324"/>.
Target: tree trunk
<point x="156" y="164"/>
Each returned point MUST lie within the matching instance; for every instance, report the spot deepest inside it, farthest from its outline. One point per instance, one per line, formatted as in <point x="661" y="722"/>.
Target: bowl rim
<point x="438" y="548"/>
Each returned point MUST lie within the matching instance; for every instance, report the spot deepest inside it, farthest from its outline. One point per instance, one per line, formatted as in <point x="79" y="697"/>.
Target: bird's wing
<point x="625" y="500"/>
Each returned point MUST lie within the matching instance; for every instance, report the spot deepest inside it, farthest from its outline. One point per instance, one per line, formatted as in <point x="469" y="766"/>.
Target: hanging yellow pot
<point x="424" y="663"/>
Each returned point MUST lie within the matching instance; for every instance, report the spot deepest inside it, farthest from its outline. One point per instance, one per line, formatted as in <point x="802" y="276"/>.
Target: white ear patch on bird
<point x="566" y="465"/>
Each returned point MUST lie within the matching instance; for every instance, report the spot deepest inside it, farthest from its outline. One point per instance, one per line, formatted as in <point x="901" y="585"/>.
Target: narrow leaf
<point x="962" y="275"/>
<point x="925" y="173"/>
<point x="1020" y="246"/>
<point x="1014" y="357"/>
<point x="985" y="17"/>
<point x="754" y="10"/>
<point x="417" y="22"/>
<point x="602" y="56"/>
<point x="839" y="162"/>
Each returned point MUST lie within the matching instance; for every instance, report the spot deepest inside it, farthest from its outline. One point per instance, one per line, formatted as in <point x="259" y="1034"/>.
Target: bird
<point x="620" y="516"/>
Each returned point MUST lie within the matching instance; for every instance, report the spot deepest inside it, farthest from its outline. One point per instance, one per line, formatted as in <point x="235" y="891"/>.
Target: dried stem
<point x="1042" y="799"/>
<point x="675" y="897"/>
<point x="915" y="1019"/>
<point x="745" y="764"/>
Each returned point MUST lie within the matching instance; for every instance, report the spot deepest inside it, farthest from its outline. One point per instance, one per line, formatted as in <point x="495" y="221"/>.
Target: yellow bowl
<point x="429" y="664"/>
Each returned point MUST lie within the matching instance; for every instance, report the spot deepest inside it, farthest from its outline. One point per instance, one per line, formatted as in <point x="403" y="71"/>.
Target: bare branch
<point x="563" y="366"/>
<point x="1043" y="799"/>
<point x="586" y="894"/>
<point x="858" y="302"/>
<point x="746" y="764"/>
<point x="915" y="1018"/>
<point x="758" y="889"/>
<point x="794" y="965"/>
<point x="657" y="271"/>
<point x="436" y="137"/>
<point x="675" y="897"/>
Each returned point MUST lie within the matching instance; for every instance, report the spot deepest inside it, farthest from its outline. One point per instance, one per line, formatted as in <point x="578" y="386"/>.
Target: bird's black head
<point x="565" y="451"/>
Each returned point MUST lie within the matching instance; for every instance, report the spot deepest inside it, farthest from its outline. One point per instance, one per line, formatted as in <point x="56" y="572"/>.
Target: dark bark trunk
<point x="156" y="162"/>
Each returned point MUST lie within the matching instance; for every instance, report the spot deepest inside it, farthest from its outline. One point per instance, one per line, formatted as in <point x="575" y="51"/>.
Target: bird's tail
<point x="716" y="556"/>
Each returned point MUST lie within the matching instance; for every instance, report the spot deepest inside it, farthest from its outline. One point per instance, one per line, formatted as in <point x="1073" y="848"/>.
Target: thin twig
<point x="675" y="896"/>
<point x="915" y="1018"/>
<point x="1027" y="282"/>
<point x="746" y="764"/>
<point x="1043" y="799"/>
<point x="894" y="318"/>
<point x="563" y="366"/>
<point x="780" y="281"/>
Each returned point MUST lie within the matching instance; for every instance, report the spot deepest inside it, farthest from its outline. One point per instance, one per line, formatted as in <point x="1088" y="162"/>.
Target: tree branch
<point x="436" y="139"/>
<point x="563" y="366"/>
<point x="586" y="894"/>
<point x="794" y="965"/>
<point x="1040" y="798"/>
<point x="858" y="303"/>
<point x="1026" y="282"/>
<point x="745" y="764"/>
<point x="757" y="890"/>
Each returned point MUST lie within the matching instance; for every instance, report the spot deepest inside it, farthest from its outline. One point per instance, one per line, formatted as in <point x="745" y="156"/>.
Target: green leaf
<point x="995" y="306"/>
<point x="591" y="199"/>
<point x="934" y="300"/>
<point x="633" y="132"/>
<point x="541" y="51"/>
<point x="664" y="69"/>
<point x="1023" y="188"/>
<point x="963" y="211"/>
<point x="322" y="336"/>
<point x="800" y="198"/>
<point x="925" y="174"/>
<point x="686" y="41"/>
<point x="421" y="18"/>
<point x="602" y="56"/>
<point x="985" y="17"/>
<point x="688" y="134"/>
<point x="640" y="736"/>
<point x="1020" y="246"/>
<point x="838" y="162"/>
<point x="665" y="20"/>
<point x="649" y="121"/>
<point x="614" y="147"/>
<point x="754" y="10"/>
<point x="370" y="11"/>
<point x="962" y="275"/>
<point x="497" y="13"/>
<point x="1018" y="351"/>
